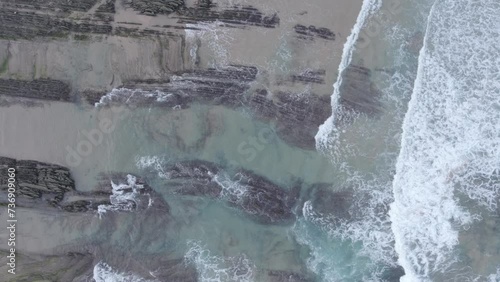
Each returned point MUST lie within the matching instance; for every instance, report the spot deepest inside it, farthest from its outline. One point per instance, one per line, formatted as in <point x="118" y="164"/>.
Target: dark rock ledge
<point x="16" y="24"/>
<point x="255" y="195"/>
<point x="46" y="186"/>
<point x="309" y="76"/>
<point x="297" y="117"/>
<point x="358" y="93"/>
<point x="42" y="89"/>
<point x="64" y="6"/>
<point x="310" y="32"/>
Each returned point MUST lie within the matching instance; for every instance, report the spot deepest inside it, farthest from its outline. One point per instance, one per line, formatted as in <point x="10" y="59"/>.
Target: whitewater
<point x="450" y="145"/>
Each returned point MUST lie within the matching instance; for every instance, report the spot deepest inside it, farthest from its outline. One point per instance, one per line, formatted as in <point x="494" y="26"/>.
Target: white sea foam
<point x="451" y="136"/>
<point x="232" y="190"/>
<point x="328" y="128"/>
<point x="122" y="199"/>
<point x="104" y="273"/>
<point x="495" y="277"/>
<point x="154" y="162"/>
<point x="124" y="95"/>
<point x="212" y="268"/>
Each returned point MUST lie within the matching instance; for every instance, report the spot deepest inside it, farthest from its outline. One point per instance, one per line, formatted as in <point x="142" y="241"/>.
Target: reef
<point x="43" y="89"/>
<point x="296" y="116"/>
<point x="47" y="186"/>
<point x="310" y="32"/>
<point x="358" y="94"/>
<point x="255" y="195"/>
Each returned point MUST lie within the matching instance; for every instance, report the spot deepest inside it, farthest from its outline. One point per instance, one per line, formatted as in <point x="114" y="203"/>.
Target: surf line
<point x="367" y="8"/>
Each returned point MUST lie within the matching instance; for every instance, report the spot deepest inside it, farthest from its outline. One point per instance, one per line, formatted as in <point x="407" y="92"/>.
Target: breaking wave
<point x="104" y="273"/>
<point x="328" y="128"/>
<point x="125" y="197"/>
<point x="451" y="137"/>
<point x="212" y="268"/>
<point x="125" y="96"/>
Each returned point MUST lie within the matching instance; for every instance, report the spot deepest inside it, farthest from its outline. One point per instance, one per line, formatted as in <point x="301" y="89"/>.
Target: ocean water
<point x="427" y="175"/>
<point x="447" y="172"/>
<point x="408" y="194"/>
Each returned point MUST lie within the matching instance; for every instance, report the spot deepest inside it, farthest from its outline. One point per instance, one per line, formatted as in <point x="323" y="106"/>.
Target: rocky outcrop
<point x="309" y="76"/>
<point x="47" y="186"/>
<point x="152" y="8"/>
<point x="50" y="5"/>
<point x="128" y="194"/>
<point x="16" y="24"/>
<point x="310" y="32"/>
<point x="36" y="182"/>
<point x="255" y="195"/>
<point x="238" y="16"/>
<point x="393" y="274"/>
<point x="195" y="178"/>
<point x="211" y="86"/>
<point x="297" y="116"/>
<point x="358" y="93"/>
<point x="43" y="89"/>
<point x="326" y="201"/>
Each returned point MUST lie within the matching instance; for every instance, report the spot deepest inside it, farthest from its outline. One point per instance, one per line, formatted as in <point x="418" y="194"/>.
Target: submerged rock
<point x="358" y="93"/>
<point x="333" y="203"/>
<point x="309" y="76"/>
<point x="297" y="117"/>
<point x="309" y="32"/>
<point x="195" y="178"/>
<point x="18" y="24"/>
<point x="257" y="196"/>
<point x="393" y="274"/>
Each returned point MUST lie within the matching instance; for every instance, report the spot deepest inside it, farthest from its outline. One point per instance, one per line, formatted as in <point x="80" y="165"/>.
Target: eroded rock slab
<point x="36" y="182"/>
<point x="42" y="89"/>
<point x="336" y="204"/>
<point x="28" y="25"/>
<point x="234" y="16"/>
<point x="46" y="186"/>
<point x="309" y="76"/>
<point x="297" y="116"/>
<point x="310" y="32"/>
<point x="253" y="194"/>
